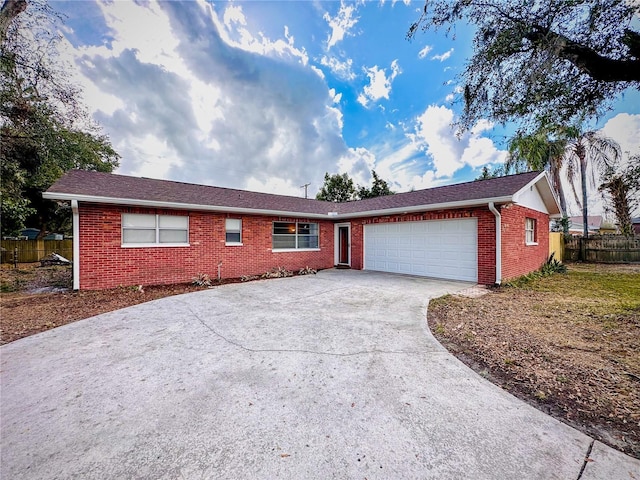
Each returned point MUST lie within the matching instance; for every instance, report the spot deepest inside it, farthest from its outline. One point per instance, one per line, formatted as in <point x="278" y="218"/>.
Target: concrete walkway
<point x="328" y="376"/>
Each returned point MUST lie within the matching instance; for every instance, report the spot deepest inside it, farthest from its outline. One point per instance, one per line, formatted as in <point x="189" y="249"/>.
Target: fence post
<point x="583" y="254"/>
<point x="15" y="258"/>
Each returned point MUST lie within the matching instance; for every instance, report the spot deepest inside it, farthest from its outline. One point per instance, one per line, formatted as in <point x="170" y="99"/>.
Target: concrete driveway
<point x="328" y="376"/>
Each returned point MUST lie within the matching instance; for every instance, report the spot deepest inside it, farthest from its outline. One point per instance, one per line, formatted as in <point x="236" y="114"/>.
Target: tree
<point x="622" y="186"/>
<point x="340" y="188"/>
<point x="587" y="155"/>
<point x="542" y="150"/>
<point x="379" y="188"/>
<point x="537" y="62"/>
<point x="44" y="129"/>
<point x="487" y="174"/>
<point x="337" y="188"/>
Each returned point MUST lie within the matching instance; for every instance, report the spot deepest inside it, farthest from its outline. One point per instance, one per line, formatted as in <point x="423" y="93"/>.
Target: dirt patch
<point x="567" y="344"/>
<point x="35" y="299"/>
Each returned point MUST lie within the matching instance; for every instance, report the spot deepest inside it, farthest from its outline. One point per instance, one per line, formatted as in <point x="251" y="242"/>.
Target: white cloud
<point x="379" y="84"/>
<point x="198" y="98"/>
<point x="624" y="129"/>
<point x="342" y="24"/>
<point x="434" y="134"/>
<point x="444" y="56"/>
<point x="342" y="70"/>
<point x="425" y="51"/>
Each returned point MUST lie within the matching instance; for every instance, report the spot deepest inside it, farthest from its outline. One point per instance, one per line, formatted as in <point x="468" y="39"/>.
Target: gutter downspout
<point x="498" y="243"/>
<point x="76" y="244"/>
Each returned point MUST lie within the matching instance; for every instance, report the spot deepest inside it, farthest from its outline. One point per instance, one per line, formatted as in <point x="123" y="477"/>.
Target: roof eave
<point x="426" y="208"/>
<point x="255" y="211"/>
<point x="177" y="205"/>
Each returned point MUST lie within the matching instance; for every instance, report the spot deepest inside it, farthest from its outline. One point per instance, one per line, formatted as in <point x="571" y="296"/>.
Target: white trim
<point x="336" y="243"/>
<point x="153" y="245"/>
<point x="496" y="213"/>
<point x="75" y="220"/>
<point x="257" y="211"/>
<point x="288" y="250"/>
<point x="233" y="244"/>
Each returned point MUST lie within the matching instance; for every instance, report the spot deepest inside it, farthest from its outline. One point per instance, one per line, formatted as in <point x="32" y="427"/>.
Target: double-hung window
<point x="140" y="230"/>
<point x="233" y="235"/>
<point x="530" y="231"/>
<point x="295" y="236"/>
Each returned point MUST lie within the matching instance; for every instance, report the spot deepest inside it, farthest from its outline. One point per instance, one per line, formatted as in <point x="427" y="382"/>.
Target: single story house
<point x="594" y="224"/>
<point x="130" y="231"/>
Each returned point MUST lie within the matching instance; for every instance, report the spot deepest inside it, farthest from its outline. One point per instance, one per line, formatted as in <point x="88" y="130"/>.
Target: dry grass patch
<point x="569" y="344"/>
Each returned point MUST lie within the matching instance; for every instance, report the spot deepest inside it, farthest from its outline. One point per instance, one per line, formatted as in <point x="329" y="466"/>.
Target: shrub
<point x="202" y="280"/>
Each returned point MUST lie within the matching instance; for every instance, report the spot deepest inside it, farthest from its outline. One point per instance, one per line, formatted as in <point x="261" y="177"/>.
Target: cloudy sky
<point x="270" y="95"/>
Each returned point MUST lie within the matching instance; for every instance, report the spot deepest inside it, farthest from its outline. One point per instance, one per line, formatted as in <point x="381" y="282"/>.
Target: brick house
<point x="130" y="231"/>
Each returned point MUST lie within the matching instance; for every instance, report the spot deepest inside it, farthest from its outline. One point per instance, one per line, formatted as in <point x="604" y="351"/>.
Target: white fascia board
<point x="176" y="206"/>
<point x="256" y="211"/>
<point x="425" y="208"/>
<point x="546" y="192"/>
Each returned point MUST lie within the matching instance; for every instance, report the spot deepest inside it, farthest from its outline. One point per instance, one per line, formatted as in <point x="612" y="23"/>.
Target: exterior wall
<point x="518" y="258"/>
<point x="104" y="263"/>
<point x="486" y="236"/>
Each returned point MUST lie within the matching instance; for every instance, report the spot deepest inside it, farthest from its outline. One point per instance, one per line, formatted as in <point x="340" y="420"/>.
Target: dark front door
<point x="343" y="245"/>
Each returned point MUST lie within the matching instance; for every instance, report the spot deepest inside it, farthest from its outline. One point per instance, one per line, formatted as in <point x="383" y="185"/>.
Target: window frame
<point x="227" y="231"/>
<point x="156" y="229"/>
<point x="530" y="231"/>
<point x="296" y="236"/>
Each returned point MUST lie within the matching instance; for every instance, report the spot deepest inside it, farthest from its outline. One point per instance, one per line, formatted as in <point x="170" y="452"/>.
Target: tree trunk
<point x="583" y="178"/>
<point x="10" y="10"/>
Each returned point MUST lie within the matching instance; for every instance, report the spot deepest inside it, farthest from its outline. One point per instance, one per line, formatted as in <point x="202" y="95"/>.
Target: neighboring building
<point x="636" y="225"/>
<point x="594" y="224"/>
<point x="130" y="231"/>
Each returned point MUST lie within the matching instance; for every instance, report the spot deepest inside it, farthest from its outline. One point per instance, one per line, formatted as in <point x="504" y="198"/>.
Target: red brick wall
<point x="486" y="236"/>
<point x="518" y="258"/>
<point x="104" y="263"/>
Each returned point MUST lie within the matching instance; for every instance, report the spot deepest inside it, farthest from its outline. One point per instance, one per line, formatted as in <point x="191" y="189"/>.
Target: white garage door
<point x="434" y="248"/>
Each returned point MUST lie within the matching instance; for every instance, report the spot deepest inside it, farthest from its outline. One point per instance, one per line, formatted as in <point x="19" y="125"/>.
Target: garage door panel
<point x="435" y="248"/>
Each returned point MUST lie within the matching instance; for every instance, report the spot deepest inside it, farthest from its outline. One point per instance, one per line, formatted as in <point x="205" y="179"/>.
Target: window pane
<point x="308" y="241"/>
<point x="233" y="237"/>
<point x="284" y="241"/>
<point x="173" y="236"/>
<point x="282" y="228"/>
<point x="233" y="224"/>
<point x="308" y="228"/>
<point x="172" y="221"/>
<point x="138" y="220"/>
<point x="130" y="235"/>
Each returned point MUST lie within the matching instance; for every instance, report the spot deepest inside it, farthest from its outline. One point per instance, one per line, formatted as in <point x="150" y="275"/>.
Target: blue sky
<point x="270" y="95"/>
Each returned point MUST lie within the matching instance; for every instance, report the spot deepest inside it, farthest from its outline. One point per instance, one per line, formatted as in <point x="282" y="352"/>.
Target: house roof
<point x="594" y="222"/>
<point x="96" y="187"/>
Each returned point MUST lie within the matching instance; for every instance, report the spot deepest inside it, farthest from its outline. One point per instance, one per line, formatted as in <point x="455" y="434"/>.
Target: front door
<point x="343" y="245"/>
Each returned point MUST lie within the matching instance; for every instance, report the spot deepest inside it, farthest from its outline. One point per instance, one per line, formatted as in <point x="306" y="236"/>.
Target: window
<point x="147" y="229"/>
<point x="295" y="236"/>
<point x="530" y="231"/>
<point x="234" y="231"/>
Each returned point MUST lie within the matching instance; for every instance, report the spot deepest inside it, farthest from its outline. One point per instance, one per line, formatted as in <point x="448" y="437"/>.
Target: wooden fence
<point x="603" y="249"/>
<point x="556" y="245"/>
<point x="28" y="251"/>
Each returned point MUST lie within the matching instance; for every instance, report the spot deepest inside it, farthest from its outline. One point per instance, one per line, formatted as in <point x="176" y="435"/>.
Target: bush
<point x="202" y="280"/>
<point x="547" y="269"/>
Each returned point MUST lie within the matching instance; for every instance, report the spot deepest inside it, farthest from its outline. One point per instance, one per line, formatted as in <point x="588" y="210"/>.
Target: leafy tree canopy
<point x="487" y="173"/>
<point x="536" y="62"/>
<point x="341" y="188"/>
<point x="44" y="129"/>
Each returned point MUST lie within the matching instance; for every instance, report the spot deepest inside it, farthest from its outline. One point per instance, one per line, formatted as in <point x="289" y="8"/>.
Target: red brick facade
<point x="105" y="263"/>
<point x="518" y="258"/>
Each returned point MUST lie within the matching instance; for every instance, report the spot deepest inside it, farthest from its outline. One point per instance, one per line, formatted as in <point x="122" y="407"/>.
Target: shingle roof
<point x="81" y="183"/>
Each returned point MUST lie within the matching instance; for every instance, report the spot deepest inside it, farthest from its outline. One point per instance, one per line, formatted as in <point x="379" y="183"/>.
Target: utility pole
<point x="305" y="186"/>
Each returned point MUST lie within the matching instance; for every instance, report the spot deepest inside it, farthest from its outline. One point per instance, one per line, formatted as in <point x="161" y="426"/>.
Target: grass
<point x="567" y="343"/>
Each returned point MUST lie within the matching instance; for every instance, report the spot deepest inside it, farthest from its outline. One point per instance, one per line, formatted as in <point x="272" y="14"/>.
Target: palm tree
<point x="587" y="154"/>
<point x="541" y="150"/>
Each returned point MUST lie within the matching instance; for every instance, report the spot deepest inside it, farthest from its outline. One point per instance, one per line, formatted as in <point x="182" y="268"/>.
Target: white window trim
<point x="157" y="244"/>
<point x="533" y="231"/>
<point x="232" y="244"/>
<point x="285" y="250"/>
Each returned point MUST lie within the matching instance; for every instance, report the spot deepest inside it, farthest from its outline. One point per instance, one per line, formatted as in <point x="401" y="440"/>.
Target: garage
<point x="433" y="248"/>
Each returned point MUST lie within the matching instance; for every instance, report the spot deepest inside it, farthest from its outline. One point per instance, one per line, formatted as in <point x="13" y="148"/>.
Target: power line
<point x="305" y="186"/>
